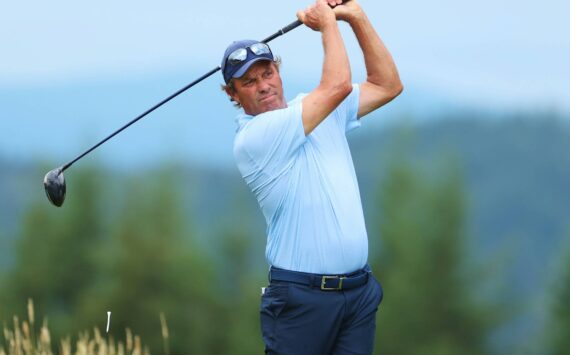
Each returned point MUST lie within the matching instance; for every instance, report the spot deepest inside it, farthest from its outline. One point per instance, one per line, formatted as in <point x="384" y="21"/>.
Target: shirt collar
<point x="241" y="119"/>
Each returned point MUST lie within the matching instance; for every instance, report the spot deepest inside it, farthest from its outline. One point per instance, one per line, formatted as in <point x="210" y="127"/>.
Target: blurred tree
<point x="241" y="283"/>
<point x="54" y="256"/>
<point x="153" y="264"/>
<point x="559" y="329"/>
<point x="238" y="254"/>
<point x="428" y="306"/>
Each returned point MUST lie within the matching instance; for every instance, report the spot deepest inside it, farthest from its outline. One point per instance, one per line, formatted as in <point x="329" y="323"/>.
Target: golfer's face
<point x="260" y="89"/>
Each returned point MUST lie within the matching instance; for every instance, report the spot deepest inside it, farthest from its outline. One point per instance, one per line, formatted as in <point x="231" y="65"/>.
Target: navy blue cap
<point x="230" y="70"/>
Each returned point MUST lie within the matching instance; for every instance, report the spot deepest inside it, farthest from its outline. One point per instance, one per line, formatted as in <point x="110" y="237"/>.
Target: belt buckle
<point x="324" y="281"/>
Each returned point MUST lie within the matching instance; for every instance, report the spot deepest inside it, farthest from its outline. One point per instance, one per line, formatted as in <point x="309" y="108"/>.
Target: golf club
<point x="54" y="181"/>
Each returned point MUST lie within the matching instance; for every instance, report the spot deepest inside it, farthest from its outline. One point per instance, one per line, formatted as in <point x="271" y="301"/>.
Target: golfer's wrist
<point x="328" y="24"/>
<point x="356" y="18"/>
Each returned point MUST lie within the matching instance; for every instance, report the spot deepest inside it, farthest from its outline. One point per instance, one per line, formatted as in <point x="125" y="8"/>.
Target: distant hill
<point x="517" y="175"/>
<point x="517" y="169"/>
<point x="517" y="172"/>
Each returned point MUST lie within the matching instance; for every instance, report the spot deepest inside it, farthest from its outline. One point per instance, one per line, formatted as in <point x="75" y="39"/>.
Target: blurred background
<point x="464" y="177"/>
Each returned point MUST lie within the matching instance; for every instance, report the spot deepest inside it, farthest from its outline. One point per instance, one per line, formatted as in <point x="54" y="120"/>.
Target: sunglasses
<point x="240" y="54"/>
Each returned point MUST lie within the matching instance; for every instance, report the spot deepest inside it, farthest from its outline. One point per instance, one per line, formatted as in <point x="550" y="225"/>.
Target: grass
<point x="22" y="339"/>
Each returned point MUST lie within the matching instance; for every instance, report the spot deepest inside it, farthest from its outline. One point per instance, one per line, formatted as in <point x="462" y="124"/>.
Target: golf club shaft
<point x="141" y="116"/>
<point x="282" y="31"/>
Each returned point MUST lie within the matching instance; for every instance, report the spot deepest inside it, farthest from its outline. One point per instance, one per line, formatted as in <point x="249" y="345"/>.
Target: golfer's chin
<point x="271" y="103"/>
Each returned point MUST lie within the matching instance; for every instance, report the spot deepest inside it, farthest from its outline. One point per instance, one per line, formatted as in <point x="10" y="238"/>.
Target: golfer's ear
<point x="228" y="90"/>
<point x="231" y="92"/>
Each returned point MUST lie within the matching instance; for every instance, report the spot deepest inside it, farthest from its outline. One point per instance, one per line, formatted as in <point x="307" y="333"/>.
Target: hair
<point x="230" y="85"/>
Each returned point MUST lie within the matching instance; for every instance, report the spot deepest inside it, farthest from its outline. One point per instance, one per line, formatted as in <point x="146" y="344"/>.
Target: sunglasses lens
<point x="260" y="48"/>
<point x="237" y="56"/>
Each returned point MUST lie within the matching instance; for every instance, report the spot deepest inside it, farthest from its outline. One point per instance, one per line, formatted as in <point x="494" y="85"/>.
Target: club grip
<point x="289" y="27"/>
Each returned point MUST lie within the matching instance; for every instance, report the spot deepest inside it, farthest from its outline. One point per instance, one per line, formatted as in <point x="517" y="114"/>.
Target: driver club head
<point x="54" y="184"/>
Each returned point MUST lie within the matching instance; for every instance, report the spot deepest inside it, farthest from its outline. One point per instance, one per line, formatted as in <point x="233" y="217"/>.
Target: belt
<point x="324" y="282"/>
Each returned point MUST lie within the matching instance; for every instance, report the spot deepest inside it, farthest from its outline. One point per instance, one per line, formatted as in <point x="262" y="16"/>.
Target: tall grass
<point x="22" y="340"/>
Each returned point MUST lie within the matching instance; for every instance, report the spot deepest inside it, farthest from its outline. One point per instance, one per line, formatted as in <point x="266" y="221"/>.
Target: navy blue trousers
<point x="297" y="319"/>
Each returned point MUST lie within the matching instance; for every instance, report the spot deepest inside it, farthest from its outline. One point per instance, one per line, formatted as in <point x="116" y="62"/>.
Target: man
<point x="322" y="297"/>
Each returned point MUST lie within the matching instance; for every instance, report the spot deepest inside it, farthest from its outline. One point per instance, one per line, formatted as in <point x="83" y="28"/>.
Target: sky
<point x="71" y="72"/>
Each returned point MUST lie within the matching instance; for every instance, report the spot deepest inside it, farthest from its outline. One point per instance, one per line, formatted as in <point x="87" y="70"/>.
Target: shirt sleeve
<point x="271" y="139"/>
<point x="347" y="111"/>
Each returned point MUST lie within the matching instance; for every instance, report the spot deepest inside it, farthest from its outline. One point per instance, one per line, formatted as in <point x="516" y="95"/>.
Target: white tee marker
<point x="108" y="320"/>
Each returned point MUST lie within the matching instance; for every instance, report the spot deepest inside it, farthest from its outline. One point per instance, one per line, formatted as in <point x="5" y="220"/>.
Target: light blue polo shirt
<point x="306" y="187"/>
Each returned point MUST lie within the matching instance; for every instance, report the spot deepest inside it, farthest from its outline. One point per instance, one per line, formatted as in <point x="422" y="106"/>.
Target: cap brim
<point x="241" y="71"/>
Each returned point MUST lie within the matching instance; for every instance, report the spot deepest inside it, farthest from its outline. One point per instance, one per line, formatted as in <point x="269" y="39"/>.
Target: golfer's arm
<point x="335" y="84"/>
<point x="382" y="80"/>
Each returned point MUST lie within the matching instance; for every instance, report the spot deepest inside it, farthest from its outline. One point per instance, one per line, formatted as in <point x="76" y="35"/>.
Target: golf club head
<point x="54" y="184"/>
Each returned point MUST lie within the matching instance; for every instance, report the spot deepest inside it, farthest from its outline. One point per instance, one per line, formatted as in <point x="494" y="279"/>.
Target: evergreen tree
<point x="242" y="282"/>
<point x="559" y="330"/>
<point x="54" y="254"/>
<point x="428" y="306"/>
<point x="154" y="265"/>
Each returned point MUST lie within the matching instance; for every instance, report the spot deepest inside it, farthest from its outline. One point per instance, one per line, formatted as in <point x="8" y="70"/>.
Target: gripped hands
<point x="348" y="12"/>
<point x="318" y="15"/>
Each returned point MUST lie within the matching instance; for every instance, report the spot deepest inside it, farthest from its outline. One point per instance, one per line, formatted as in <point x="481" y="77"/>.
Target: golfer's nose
<point x="262" y="87"/>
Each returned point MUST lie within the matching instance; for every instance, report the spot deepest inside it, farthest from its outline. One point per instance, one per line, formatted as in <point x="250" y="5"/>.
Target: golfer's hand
<point x="349" y="11"/>
<point x="317" y="16"/>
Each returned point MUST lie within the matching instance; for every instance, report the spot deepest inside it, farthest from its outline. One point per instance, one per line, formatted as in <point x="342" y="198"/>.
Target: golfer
<point x="294" y="156"/>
